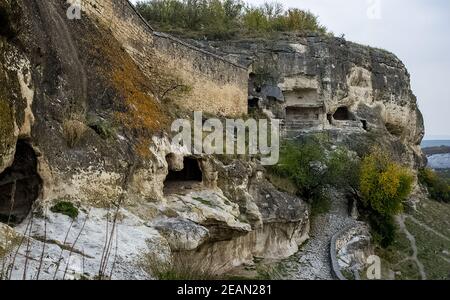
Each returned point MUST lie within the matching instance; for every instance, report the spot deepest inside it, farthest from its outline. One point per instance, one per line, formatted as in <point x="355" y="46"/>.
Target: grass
<point x="66" y="208"/>
<point x="444" y="174"/>
<point x="430" y="252"/>
<point x="430" y="246"/>
<point x="395" y="259"/>
<point x="179" y="267"/>
<point x="434" y="214"/>
<point x="73" y="130"/>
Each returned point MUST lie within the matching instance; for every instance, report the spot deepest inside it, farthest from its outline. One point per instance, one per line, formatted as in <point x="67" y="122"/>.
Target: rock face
<point x="82" y="123"/>
<point x="319" y="83"/>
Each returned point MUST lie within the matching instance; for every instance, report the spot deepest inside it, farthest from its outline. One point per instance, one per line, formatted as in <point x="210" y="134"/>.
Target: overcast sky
<point x="417" y="31"/>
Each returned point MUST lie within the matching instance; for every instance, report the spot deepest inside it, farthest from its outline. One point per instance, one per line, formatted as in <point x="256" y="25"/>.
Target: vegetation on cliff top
<point x="226" y="19"/>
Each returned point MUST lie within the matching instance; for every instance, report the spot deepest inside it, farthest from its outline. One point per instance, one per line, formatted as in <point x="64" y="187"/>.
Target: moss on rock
<point x="65" y="208"/>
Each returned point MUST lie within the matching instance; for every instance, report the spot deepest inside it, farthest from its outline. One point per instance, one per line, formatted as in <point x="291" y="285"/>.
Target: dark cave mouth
<point x="343" y="114"/>
<point x="5" y="24"/>
<point x="189" y="176"/>
<point x="20" y="185"/>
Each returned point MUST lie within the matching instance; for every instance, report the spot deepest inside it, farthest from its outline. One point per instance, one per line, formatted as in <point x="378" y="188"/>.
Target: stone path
<point x="313" y="260"/>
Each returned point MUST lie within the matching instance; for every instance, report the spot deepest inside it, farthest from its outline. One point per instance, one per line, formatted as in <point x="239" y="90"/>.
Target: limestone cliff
<point x="85" y="109"/>
<point x="84" y="129"/>
<point x="320" y="83"/>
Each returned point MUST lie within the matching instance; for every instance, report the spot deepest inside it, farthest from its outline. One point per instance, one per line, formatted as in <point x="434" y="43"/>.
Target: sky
<point x="417" y="31"/>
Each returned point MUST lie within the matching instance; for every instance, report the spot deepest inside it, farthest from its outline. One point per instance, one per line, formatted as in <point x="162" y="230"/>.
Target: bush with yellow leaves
<point x="384" y="186"/>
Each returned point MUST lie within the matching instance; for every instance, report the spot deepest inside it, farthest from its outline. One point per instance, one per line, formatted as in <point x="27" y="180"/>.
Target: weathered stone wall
<point x="215" y="85"/>
<point x="126" y="25"/>
<point x="218" y="86"/>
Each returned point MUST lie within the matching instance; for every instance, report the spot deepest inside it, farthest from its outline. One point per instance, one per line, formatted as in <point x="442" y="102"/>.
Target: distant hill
<point x="435" y="143"/>
<point x="438" y="153"/>
<point x="436" y="150"/>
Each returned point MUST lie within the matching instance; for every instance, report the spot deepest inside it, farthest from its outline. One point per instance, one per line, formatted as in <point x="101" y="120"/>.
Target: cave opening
<point x="20" y="185"/>
<point x="253" y="103"/>
<point x="5" y="24"/>
<point x="394" y="130"/>
<point x="330" y="119"/>
<point x="253" y="84"/>
<point x="364" y="124"/>
<point x="185" y="179"/>
<point x="342" y="114"/>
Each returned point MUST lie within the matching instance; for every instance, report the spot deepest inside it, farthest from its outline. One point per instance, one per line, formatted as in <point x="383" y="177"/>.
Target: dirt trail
<point x="313" y="261"/>
<point x="428" y="228"/>
<point x="412" y="241"/>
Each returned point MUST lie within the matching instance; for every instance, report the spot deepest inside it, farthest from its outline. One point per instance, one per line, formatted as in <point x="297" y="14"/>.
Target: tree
<point x="384" y="184"/>
<point x="218" y="19"/>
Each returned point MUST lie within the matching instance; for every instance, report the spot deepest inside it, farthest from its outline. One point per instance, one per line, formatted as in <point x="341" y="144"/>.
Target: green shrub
<point x="103" y="128"/>
<point x="384" y="185"/>
<point x="343" y="170"/>
<point x="224" y="19"/>
<point x="321" y="204"/>
<point x="65" y="208"/>
<point x="438" y="188"/>
<point x="304" y="163"/>
<point x="384" y="229"/>
<point x="310" y="165"/>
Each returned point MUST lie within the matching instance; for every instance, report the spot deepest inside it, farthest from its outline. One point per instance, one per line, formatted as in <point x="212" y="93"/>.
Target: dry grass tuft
<point x="74" y="130"/>
<point x="180" y="267"/>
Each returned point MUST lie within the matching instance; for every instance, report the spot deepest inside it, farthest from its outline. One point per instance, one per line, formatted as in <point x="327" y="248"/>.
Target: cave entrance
<point x="342" y="114"/>
<point x="6" y="28"/>
<point x="394" y="129"/>
<point x="20" y="185"/>
<point x="253" y="103"/>
<point x="188" y="178"/>
<point x="330" y="119"/>
<point x="364" y="124"/>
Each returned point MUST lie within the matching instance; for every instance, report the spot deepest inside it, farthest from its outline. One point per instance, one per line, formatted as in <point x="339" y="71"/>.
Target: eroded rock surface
<point x="316" y="83"/>
<point x="86" y="101"/>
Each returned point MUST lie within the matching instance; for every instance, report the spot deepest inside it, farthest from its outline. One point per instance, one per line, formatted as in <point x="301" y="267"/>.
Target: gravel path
<point x="313" y="260"/>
